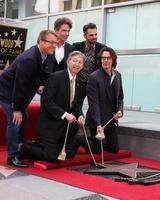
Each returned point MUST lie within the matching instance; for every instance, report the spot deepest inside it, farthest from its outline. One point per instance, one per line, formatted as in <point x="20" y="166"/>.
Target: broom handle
<point x="108" y="122"/>
<point x="102" y="152"/>
<point x="89" y="147"/>
<point x="66" y="136"/>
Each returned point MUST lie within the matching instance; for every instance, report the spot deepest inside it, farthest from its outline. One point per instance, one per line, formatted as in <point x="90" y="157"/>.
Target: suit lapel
<point x="66" y="51"/>
<point x="117" y="84"/>
<point x="53" y="57"/>
<point x="83" y="46"/>
<point x="106" y="86"/>
<point x="39" y="60"/>
<point x="76" y="89"/>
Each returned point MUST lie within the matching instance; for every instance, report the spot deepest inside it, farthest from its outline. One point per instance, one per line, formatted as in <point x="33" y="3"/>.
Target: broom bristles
<point x="62" y="155"/>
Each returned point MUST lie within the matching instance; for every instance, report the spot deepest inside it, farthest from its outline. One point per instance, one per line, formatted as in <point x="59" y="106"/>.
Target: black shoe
<point x="16" y="162"/>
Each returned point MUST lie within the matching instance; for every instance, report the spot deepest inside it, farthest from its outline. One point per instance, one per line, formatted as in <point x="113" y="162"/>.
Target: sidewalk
<point x="141" y="120"/>
<point x="139" y="132"/>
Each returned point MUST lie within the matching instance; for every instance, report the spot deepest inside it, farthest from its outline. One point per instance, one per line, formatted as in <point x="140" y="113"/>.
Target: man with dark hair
<point x="57" y="61"/>
<point x="18" y="85"/>
<point x="105" y="99"/>
<point x="90" y="47"/>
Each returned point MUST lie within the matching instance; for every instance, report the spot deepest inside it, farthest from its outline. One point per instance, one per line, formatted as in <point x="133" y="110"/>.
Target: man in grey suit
<point x="59" y="107"/>
<point x="18" y="85"/>
<point x="105" y="99"/>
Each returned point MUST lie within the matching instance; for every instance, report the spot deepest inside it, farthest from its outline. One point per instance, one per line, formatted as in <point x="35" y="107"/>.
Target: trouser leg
<point x="111" y="139"/>
<point x="22" y="127"/>
<point x="110" y="143"/>
<point x="12" y="131"/>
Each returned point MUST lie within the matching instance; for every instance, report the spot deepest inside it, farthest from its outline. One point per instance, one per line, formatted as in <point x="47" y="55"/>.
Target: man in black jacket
<point x="60" y="106"/>
<point x="18" y="85"/>
<point x="105" y="99"/>
<point x="57" y="61"/>
<point x="90" y="47"/>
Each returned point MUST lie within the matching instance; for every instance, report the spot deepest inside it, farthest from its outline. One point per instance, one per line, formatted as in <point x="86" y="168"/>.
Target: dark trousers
<point x="50" y="147"/>
<point x="110" y="143"/>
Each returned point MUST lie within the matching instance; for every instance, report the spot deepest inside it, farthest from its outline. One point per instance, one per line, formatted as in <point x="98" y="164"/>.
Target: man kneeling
<point x="59" y="107"/>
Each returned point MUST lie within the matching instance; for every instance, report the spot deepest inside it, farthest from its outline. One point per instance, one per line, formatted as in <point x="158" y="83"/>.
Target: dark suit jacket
<point x="80" y="46"/>
<point x="100" y="108"/>
<point x="19" y="82"/>
<point x="55" y="102"/>
<point x="53" y="66"/>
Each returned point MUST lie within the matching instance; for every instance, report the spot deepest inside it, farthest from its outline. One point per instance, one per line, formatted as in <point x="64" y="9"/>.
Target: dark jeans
<point x="14" y="134"/>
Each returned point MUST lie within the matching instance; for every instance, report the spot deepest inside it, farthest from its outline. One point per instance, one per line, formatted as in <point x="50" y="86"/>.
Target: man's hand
<point x="40" y="89"/>
<point x="70" y="118"/>
<point x="100" y="133"/>
<point x="17" y="118"/>
<point x="118" y="115"/>
<point x="81" y="120"/>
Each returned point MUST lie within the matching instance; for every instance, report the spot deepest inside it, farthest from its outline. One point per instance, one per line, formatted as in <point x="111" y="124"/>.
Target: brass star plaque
<point x="129" y="170"/>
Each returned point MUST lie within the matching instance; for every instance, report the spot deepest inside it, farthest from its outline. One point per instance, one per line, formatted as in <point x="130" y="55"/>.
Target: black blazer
<point x="20" y="81"/>
<point x="53" y="66"/>
<point x="56" y="101"/>
<point x="100" y="108"/>
<point x="80" y="46"/>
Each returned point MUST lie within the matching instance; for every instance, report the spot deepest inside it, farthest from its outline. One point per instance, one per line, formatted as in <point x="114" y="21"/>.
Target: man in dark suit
<point x="90" y="47"/>
<point x="105" y="99"/>
<point x="59" y="107"/>
<point x="18" y="85"/>
<point x="57" y="61"/>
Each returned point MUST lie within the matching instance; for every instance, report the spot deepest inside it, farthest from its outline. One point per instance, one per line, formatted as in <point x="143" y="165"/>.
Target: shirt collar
<point x="62" y="45"/>
<point x="70" y="75"/>
<point x="43" y="56"/>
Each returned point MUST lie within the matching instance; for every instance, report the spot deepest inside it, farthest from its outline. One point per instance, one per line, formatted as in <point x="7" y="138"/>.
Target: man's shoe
<point x="16" y="162"/>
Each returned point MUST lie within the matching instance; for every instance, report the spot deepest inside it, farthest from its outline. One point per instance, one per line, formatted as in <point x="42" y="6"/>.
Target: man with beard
<point x="90" y="47"/>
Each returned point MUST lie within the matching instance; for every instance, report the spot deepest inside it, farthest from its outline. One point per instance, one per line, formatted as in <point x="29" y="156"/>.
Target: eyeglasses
<point x="108" y="58"/>
<point x="51" y="42"/>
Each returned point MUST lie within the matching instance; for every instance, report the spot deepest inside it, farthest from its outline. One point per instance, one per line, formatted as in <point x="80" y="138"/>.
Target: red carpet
<point x="101" y="185"/>
<point x="80" y="159"/>
<point x="62" y="173"/>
